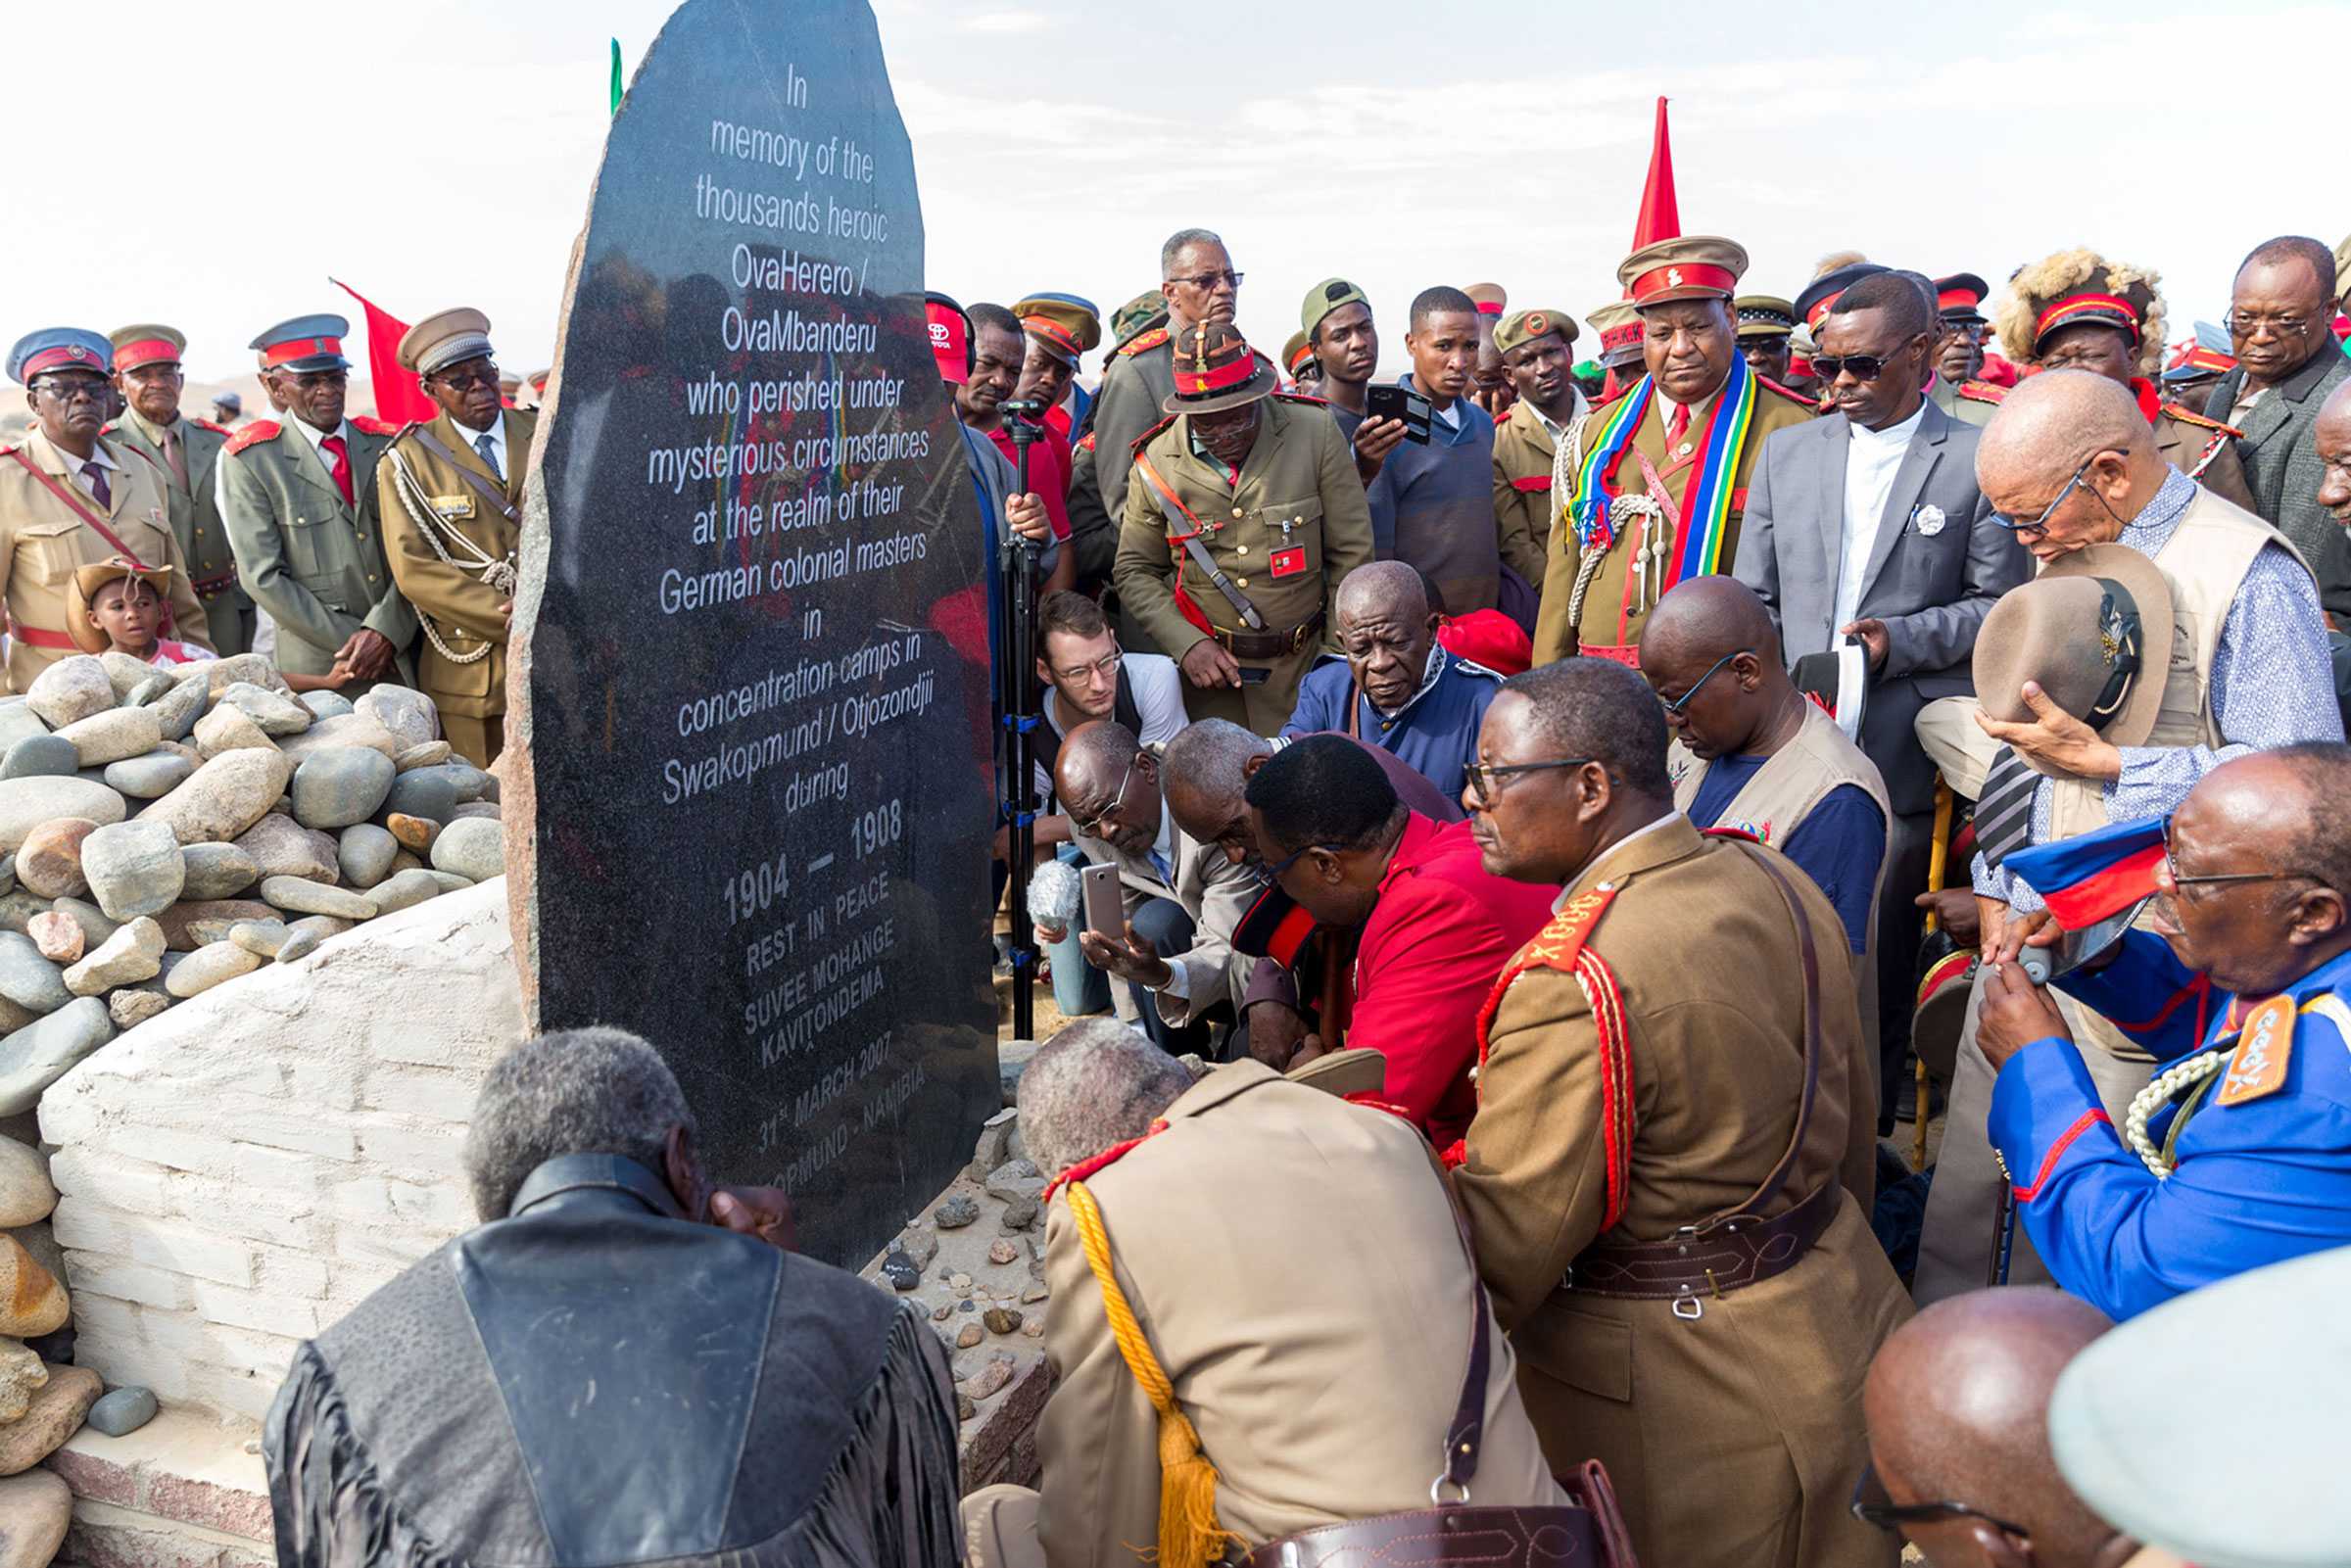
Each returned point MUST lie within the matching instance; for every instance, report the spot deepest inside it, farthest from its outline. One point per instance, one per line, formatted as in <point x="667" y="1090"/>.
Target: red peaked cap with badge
<point x="305" y="344"/>
<point x="147" y="342"/>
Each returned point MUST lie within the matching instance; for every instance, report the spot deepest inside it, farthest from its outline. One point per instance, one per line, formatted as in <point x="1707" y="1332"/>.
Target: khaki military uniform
<point x="461" y="658"/>
<point x="1319" y="1347"/>
<point x="314" y="561"/>
<point x="2204" y="450"/>
<point x="1524" y="506"/>
<point x="195" y="512"/>
<point x="1617" y="599"/>
<point x="1287" y="534"/>
<point x="1731" y="1427"/>
<point x="1970" y="401"/>
<point x="1136" y="382"/>
<point x="43" y="539"/>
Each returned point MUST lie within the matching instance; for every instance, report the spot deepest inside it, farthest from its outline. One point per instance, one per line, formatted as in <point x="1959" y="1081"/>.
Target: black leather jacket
<point x="595" y="1381"/>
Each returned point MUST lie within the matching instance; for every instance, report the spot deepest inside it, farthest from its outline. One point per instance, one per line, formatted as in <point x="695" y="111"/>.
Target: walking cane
<point x="1939" y="857"/>
<point x="1018" y="697"/>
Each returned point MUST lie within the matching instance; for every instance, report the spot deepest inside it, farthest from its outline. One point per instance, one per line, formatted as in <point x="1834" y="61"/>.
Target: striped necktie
<point x="487" y="446"/>
<point x="2004" y="809"/>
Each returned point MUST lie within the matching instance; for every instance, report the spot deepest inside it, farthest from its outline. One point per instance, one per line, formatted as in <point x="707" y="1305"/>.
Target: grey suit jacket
<point x="2282" y="467"/>
<point x="1931" y="588"/>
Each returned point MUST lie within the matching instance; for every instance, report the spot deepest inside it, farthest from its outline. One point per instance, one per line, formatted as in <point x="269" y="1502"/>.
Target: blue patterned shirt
<point x="2275" y="628"/>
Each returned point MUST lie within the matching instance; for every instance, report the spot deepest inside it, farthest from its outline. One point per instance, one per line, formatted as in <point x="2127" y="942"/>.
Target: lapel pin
<point x="1929" y="519"/>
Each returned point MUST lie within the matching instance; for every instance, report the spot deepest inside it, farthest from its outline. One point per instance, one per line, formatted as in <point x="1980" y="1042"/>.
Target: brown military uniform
<point x="1138" y="378"/>
<point x="42" y="538"/>
<point x="194" y="509"/>
<point x="1616" y="600"/>
<point x="447" y="539"/>
<point x="1730" y="1422"/>
<point x="2204" y="450"/>
<point x="1524" y="507"/>
<point x="1286" y="531"/>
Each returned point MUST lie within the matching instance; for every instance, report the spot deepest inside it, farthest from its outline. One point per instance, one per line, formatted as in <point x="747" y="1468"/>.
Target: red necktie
<point x="1680" y="426"/>
<point x="342" y="465"/>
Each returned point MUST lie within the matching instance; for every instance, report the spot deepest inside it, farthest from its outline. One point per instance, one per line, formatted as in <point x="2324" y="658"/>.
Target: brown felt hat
<point x="2094" y="631"/>
<point x="1216" y="369"/>
<point x="88" y="580"/>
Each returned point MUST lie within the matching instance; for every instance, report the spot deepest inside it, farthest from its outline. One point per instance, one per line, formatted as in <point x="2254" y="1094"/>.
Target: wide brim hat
<point x="1216" y="369"/>
<point x="1947" y="972"/>
<point x="2068" y="631"/>
<point x="88" y="580"/>
<point x="2246" y="1379"/>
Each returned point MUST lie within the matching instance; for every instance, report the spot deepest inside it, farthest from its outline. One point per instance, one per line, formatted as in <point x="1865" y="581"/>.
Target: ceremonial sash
<point x="1705" y="510"/>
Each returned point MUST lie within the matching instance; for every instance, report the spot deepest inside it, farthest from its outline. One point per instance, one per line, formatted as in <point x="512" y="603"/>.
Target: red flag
<point x="1661" y="214"/>
<point x="399" y="396"/>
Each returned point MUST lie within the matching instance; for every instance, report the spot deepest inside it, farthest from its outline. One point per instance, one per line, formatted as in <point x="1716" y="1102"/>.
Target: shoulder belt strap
<point x="1196" y="551"/>
<point x="97" y="523"/>
<point x="481" y="486"/>
<point x="1808" y="955"/>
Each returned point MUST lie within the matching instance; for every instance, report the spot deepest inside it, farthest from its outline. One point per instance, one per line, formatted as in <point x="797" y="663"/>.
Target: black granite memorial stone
<point x="757" y="624"/>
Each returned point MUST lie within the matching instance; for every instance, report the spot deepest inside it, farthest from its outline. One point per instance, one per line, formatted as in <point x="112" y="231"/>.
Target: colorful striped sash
<point x="1705" y="510"/>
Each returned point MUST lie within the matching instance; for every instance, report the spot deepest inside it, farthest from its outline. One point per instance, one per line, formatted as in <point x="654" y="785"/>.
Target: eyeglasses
<point x="2040" y="524"/>
<point x="1965" y="331"/>
<point x="65" y="389"/>
<point x="1276" y="872"/>
<point x="1872" y="1506"/>
<point x="2247" y="326"/>
<point x="1092" y="825"/>
<point x="1676" y="706"/>
<point x="1862" y="367"/>
<point x="1206" y="282"/>
<point x="1482" y="775"/>
<point x="2171" y="865"/>
<point x="1104" y="667"/>
<point x="457" y="378"/>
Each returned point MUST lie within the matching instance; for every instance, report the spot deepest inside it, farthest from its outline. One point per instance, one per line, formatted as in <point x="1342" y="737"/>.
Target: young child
<point x="115" y="606"/>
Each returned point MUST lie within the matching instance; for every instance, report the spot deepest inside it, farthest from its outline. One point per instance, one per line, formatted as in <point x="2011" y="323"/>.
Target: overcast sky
<point x="439" y="152"/>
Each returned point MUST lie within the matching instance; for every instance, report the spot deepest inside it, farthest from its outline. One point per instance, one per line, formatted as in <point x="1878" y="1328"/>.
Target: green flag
<point x="617" y="83"/>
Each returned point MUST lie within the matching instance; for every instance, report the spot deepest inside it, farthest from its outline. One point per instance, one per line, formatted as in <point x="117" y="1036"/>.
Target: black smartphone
<point x="1399" y="402"/>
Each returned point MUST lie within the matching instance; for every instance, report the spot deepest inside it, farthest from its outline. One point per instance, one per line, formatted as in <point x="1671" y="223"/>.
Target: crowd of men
<point x="1581" y="762"/>
<point x="348" y="549"/>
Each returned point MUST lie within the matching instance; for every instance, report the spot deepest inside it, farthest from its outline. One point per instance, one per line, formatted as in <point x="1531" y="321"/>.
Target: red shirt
<point x="1048" y="471"/>
<point x="1431" y="953"/>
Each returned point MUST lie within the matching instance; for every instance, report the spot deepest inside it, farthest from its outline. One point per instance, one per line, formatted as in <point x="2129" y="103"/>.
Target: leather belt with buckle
<point x="1269" y="644"/>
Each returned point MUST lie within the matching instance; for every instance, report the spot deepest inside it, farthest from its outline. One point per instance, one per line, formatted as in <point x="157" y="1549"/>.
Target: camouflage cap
<point x="1137" y="317"/>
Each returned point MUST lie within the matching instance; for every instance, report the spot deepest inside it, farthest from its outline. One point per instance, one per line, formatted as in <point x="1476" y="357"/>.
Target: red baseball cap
<point x="950" y="338"/>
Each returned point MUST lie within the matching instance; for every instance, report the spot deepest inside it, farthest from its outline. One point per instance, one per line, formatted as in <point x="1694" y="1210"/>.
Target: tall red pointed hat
<point x="1661" y="216"/>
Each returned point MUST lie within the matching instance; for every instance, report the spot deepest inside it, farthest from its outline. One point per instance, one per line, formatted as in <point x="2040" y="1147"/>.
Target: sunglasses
<point x="1860" y="366"/>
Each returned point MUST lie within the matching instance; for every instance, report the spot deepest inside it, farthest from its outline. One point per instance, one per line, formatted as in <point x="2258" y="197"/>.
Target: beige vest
<point x="2205" y="561"/>
<point x="1775" y="802"/>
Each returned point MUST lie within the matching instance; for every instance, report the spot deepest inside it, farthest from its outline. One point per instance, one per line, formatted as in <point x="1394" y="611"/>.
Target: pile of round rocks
<point x="161" y="832"/>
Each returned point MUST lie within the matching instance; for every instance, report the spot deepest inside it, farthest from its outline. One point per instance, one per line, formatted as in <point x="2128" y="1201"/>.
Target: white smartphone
<point x="1105" y="909"/>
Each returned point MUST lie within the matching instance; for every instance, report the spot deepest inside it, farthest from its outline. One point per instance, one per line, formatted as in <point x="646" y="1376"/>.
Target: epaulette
<point x="1144" y="342"/>
<point x="1981" y="392"/>
<point x="1788" y="393"/>
<point x="207" y="424"/>
<point x="2188" y="416"/>
<point x="1143" y="439"/>
<point x="1307" y="397"/>
<point x="253" y="435"/>
<point x="110" y="427"/>
<point x="370" y="425"/>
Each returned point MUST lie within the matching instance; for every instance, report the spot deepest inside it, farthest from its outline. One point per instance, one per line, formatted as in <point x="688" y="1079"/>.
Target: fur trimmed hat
<point x="2080" y="285"/>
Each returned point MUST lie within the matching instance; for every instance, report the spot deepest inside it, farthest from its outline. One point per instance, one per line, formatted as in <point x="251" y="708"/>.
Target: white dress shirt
<point x="497" y="440"/>
<point x="1871" y="460"/>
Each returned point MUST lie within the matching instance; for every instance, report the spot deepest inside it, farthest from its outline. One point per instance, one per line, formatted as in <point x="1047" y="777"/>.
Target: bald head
<point x="1704" y="618"/>
<point x="2053" y="420"/>
<point x="1383" y="590"/>
<point x="1957" y="1404"/>
<point x="2331" y="434"/>
<point x="1206" y="770"/>
<point x="1096" y="750"/>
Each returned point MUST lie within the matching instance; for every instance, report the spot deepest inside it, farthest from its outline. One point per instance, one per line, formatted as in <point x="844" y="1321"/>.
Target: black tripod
<point x="1017" y="699"/>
